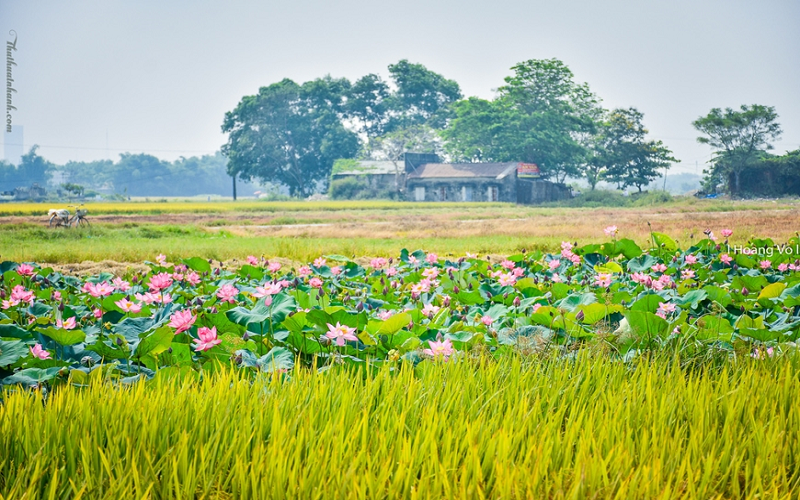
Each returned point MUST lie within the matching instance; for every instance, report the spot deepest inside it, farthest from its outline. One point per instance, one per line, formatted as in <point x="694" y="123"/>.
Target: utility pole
<point x="234" y="185"/>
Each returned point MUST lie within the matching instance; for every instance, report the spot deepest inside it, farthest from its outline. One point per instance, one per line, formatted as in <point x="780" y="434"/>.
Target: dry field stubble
<point x="301" y="231"/>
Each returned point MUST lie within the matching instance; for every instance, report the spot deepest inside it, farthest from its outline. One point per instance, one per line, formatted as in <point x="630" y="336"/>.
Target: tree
<point x="421" y="96"/>
<point x="538" y="117"/>
<point x="368" y="105"/>
<point x="738" y="138"/>
<point x="290" y="134"/>
<point x="34" y="169"/>
<point x="622" y="155"/>
<point x="414" y="139"/>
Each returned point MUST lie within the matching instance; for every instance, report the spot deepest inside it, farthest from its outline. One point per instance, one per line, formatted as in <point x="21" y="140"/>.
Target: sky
<point x="98" y="78"/>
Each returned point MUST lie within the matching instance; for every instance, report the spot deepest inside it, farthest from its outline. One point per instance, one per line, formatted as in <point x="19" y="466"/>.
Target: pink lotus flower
<point x="182" y="320"/>
<point x="20" y="294"/>
<point x="413" y="260"/>
<point x="487" y="320"/>
<point x="765" y="264"/>
<point x="304" y="271"/>
<point x="508" y="264"/>
<point x="320" y="261"/>
<point x="758" y="354"/>
<point x="517" y="272"/>
<point x="639" y="278"/>
<point x="120" y="284"/>
<point x="274" y="267"/>
<point x="57" y="296"/>
<point x="97" y="313"/>
<point x="611" y="231"/>
<point x="535" y="307"/>
<point x="25" y="270"/>
<point x="665" y="308"/>
<point x="424" y="286"/>
<point x="193" y="278"/>
<point x="443" y="349"/>
<point x="336" y="270"/>
<point x="657" y="285"/>
<point x="227" y="293"/>
<point x="252" y="260"/>
<point x="67" y="324"/>
<point x="160" y="281"/>
<point x="430" y="309"/>
<point x="7" y="304"/>
<point x="603" y="280"/>
<point x="99" y="289"/>
<point x="690" y="259"/>
<point x="341" y="333"/>
<point x="507" y="279"/>
<point x="659" y="268"/>
<point x="471" y="255"/>
<point x="161" y="259"/>
<point x="687" y="274"/>
<point x="177" y="277"/>
<point x="431" y="272"/>
<point x="269" y="289"/>
<point x="208" y="339"/>
<point x="553" y="264"/>
<point x="432" y="258"/>
<point x="392" y="271"/>
<point x="726" y="259"/>
<point x="315" y="282"/>
<point x="38" y="352"/>
<point x="556" y="278"/>
<point x="575" y="259"/>
<point x="726" y="233"/>
<point x="783" y="267"/>
<point x="378" y="263"/>
<point x="128" y="306"/>
<point x="384" y="315"/>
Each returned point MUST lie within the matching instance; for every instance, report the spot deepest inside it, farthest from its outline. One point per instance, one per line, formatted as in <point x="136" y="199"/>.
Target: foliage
<point x="538" y="117"/>
<point x="705" y="299"/>
<point x="738" y="138"/>
<point x="621" y="154"/>
<point x="290" y="134"/>
<point x="33" y="168"/>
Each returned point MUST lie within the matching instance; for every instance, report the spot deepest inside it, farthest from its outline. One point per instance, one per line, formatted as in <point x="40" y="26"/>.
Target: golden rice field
<point x="514" y="428"/>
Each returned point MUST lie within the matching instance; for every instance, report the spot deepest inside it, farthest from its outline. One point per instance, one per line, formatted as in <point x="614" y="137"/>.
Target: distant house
<point x="463" y="182"/>
<point x="422" y="177"/>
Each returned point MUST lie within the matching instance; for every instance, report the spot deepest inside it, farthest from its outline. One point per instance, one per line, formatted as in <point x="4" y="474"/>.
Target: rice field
<point x="514" y="428"/>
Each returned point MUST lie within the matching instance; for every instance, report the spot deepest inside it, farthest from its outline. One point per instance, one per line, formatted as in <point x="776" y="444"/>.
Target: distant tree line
<point x="131" y="175"/>
<point x="292" y="133"/>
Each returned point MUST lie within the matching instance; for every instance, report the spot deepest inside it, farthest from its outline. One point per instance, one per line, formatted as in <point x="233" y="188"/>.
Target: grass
<point x="479" y="428"/>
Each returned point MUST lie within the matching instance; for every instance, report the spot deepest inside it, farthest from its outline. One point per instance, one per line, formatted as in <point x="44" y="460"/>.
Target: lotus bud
<point x="383" y="281"/>
<point x="169" y="350"/>
<point x="324" y="341"/>
<point x="517" y="302"/>
<point x="63" y="372"/>
<point x="213" y="310"/>
<point x="470" y="286"/>
<point x="456" y="290"/>
<point x="461" y="260"/>
<point x="87" y="361"/>
<point x="391" y="259"/>
<point x="524" y="251"/>
<point x="446" y="301"/>
<point x="745" y="291"/>
<point x="360" y="306"/>
<point x="735" y="267"/>
<point x="410" y="325"/>
<point x="385" y="291"/>
<point x="61" y="306"/>
<point x="580" y="315"/>
<point x="384" y="339"/>
<point x="119" y="341"/>
<point x="505" y="296"/>
<point x="488" y="295"/>
<point x="248" y="276"/>
<point x="237" y="359"/>
<point x="246" y="336"/>
<point x="439" y="337"/>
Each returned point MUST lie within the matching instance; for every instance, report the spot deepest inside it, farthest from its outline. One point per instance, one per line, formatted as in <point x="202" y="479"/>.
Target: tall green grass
<point x="513" y="428"/>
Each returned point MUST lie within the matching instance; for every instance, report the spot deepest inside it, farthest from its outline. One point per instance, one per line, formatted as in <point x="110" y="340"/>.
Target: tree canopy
<point x="738" y="137"/>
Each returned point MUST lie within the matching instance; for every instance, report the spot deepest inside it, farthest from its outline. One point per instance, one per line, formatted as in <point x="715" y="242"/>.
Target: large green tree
<point x="290" y="134"/>
<point x="621" y="153"/>
<point x="739" y="137"/>
<point x="538" y="116"/>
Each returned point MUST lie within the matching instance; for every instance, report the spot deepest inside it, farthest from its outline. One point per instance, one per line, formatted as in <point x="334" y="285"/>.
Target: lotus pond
<point x="196" y="316"/>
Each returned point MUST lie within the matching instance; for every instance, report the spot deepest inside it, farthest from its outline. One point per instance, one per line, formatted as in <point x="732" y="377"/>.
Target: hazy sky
<point x="96" y="78"/>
